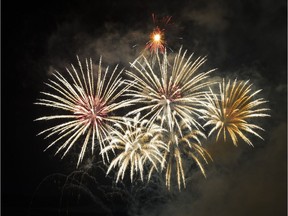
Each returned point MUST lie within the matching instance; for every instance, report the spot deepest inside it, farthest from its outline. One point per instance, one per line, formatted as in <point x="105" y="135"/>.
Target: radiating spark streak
<point x="231" y="111"/>
<point x="88" y="102"/>
<point x="136" y="146"/>
<point x="164" y="21"/>
<point x="189" y="146"/>
<point x="183" y="144"/>
<point x="173" y="93"/>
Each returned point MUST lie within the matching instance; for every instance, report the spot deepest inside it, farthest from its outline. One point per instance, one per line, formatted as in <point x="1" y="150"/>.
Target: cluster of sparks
<point x="167" y="105"/>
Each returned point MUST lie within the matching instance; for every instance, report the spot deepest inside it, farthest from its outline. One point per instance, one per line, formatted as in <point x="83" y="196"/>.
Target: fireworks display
<point x="232" y="110"/>
<point x="137" y="108"/>
<point x="87" y="101"/>
<point x="163" y="127"/>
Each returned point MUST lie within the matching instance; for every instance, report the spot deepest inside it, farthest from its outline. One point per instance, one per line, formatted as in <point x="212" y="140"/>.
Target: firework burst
<point x="174" y="93"/>
<point x="136" y="146"/>
<point x="157" y="37"/>
<point x="156" y="42"/>
<point x="231" y="111"/>
<point x="87" y="101"/>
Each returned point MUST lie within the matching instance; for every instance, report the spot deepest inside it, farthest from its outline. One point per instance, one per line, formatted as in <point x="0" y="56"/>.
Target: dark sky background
<point x="241" y="38"/>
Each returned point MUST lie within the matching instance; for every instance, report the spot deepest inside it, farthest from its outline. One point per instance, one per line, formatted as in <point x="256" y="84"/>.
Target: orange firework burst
<point x="157" y="37"/>
<point x="156" y="41"/>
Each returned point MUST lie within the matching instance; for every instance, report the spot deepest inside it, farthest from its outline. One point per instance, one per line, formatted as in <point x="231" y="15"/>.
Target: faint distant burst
<point x="232" y="111"/>
<point x="86" y="102"/>
<point x="181" y="147"/>
<point x="136" y="147"/>
<point x="173" y="93"/>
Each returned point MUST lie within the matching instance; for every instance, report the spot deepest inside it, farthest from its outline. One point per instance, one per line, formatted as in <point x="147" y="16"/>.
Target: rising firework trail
<point x="86" y="103"/>
<point x="233" y="110"/>
<point x="136" y="146"/>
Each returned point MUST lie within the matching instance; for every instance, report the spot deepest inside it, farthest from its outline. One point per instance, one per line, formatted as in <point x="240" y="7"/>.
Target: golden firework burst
<point x="231" y="111"/>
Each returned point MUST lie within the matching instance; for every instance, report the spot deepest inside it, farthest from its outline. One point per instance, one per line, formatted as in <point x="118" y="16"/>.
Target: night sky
<point x="243" y="39"/>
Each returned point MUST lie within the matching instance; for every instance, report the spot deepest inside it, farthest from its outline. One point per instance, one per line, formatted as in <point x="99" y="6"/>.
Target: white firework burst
<point x="87" y="101"/>
<point x="136" y="146"/>
<point x="173" y="93"/>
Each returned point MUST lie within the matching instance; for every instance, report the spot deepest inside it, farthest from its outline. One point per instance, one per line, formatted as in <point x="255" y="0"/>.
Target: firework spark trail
<point x="182" y="146"/>
<point x="231" y="111"/>
<point x="88" y="103"/>
<point x="135" y="145"/>
<point x="174" y="93"/>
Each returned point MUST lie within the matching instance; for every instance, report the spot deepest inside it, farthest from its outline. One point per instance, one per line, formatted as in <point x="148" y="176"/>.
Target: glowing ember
<point x="156" y="42"/>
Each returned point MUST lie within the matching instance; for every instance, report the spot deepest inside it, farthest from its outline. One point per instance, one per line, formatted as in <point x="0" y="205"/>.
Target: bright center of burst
<point x="93" y="113"/>
<point x="157" y="37"/>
